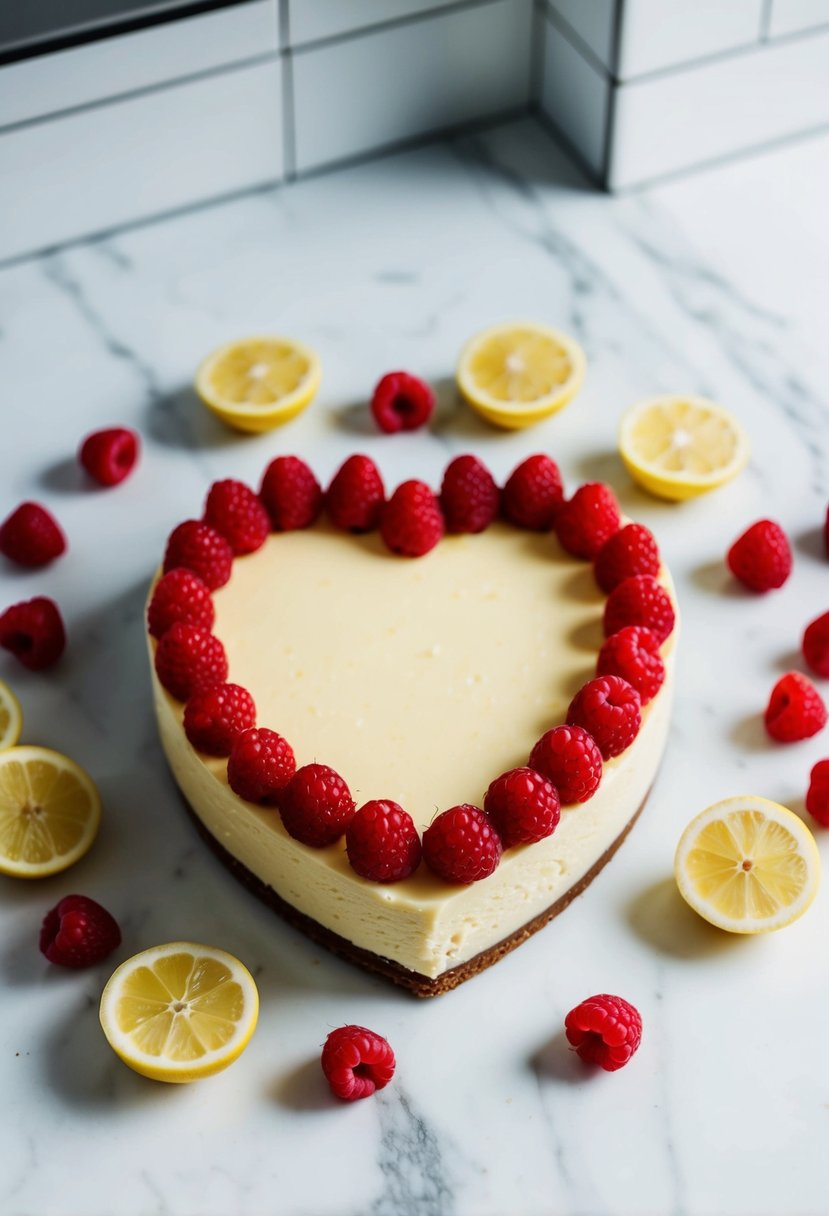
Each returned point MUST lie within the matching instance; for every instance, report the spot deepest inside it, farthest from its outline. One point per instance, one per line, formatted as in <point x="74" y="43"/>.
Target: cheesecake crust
<point x="419" y="985"/>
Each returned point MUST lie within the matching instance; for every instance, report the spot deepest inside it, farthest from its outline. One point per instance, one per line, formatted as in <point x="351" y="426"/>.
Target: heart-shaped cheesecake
<point x="419" y="681"/>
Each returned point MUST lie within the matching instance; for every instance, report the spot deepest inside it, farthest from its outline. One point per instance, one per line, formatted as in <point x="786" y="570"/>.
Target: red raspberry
<point x="402" y="402"/>
<point x="31" y="536"/>
<point x="110" y="455"/>
<point x="761" y="558"/>
<point x="33" y="631"/>
<point x="411" y="523"/>
<point x="795" y="710"/>
<point x="316" y="806"/>
<point x="78" y="933"/>
<point x="291" y="494"/>
<point x="630" y="551"/>
<point x="816" y="645"/>
<point x="640" y="600"/>
<point x="235" y="511"/>
<point x="469" y="496"/>
<point x="188" y="659"/>
<point x="200" y="548"/>
<point x="356" y="495"/>
<point x="533" y="494"/>
<point x="633" y="654"/>
<point x="462" y="845"/>
<point x="260" y="766"/>
<point x="569" y="757"/>
<point x="610" y="709"/>
<point x="605" y="1030"/>
<point x="180" y="595"/>
<point x="586" y="522"/>
<point x="356" y="1062"/>
<point x="382" y="842"/>
<point x="523" y="805"/>
<point x="214" y="717"/>
<point x="817" y="799"/>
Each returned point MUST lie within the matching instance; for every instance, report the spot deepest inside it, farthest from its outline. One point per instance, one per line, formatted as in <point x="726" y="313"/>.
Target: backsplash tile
<point x="593" y="21"/>
<point x="574" y="97"/>
<point x="657" y="34"/>
<point x="311" y="20"/>
<point x="793" y="16"/>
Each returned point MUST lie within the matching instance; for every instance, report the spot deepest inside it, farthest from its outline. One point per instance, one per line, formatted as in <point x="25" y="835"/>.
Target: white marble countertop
<point x="714" y="284"/>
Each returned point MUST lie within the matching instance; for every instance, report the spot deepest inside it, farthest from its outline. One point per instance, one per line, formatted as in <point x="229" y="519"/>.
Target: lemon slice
<point x="256" y="384"/>
<point x="515" y="375"/>
<point x="679" y="447"/>
<point x="49" y="812"/>
<point x="747" y="865"/>
<point x="179" y="1012"/>
<point x="11" y="717"/>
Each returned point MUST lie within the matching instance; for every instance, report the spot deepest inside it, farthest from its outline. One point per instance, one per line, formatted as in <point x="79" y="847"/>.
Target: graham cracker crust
<point x="419" y="985"/>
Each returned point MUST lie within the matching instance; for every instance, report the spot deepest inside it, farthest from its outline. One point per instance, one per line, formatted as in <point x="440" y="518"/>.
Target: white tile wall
<point x="676" y="121"/>
<point x="593" y="21"/>
<point x="112" y="164"/>
<point x="792" y="16"/>
<point x="309" y="20"/>
<point x="52" y="83"/>
<point x="574" y="96"/>
<point x="364" y="93"/>
<point x="658" y="34"/>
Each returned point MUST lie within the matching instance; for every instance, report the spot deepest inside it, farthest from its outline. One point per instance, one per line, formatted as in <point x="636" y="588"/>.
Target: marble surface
<point x="710" y="285"/>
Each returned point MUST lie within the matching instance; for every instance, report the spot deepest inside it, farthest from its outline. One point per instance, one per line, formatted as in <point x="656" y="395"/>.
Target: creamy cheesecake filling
<point x="419" y="681"/>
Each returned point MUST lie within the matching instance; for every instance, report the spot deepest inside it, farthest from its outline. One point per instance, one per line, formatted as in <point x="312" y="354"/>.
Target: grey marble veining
<point x="713" y="285"/>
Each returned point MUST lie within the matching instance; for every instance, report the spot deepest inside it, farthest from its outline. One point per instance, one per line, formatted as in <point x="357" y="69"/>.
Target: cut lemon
<point x="258" y="383"/>
<point x="49" y="812"/>
<point x="11" y="717"/>
<point x="515" y="375"/>
<point x="747" y="865"/>
<point x="180" y="1011"/>
<point x="679" y="447"/>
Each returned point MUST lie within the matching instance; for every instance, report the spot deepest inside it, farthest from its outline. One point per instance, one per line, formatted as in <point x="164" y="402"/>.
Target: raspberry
<point x="411" y="523"/>
<point x="234" y="510"/>
<point x="33" y="631"/>
<point x="610" y="709"/>
<point x="817" y="799"/>
<point x="382" y="842"/>
<point x="523" y="805"/>
<point x="110" y="455"/>
<point x="200" y="548"/>
<point x="816" y="645"/>
<point x="31" y="536"/>
<point x="533" y="494"/>
<point x="291" y="494"/>
<point x="180" y="595"/>
<point x="633" y="654"/>
<point x="462" y="845"/>
<point x="402" y="402"/>
<point x="586" y="522"/>
<point x="469" y="496"/>
<point x="761" y="558"/>
<point x="795" y="710"/>
<point x="213" y="717"/>
<point x="605" y="1030"/>
<point x="630" y="551"/>
<point x="356" y="495"/>
<point x="188" y="659"/>
<point x="640" y="600"/>
<point x="78" y="933"/>
<point x="316" y="806"/>
<point x="356" y="1062"/>
<point x="260" y="766"/>
<point x="569" y="757"/>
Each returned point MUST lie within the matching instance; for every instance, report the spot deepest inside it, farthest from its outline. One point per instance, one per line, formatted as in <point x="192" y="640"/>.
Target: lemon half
<point x="49" y="812"/>
<point x="678" y="447"/>
<point x="517" y="374"/>
<point x="747" y="865"/>
<point x="258" y="383"/>
<point x="180" y="1011"/>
